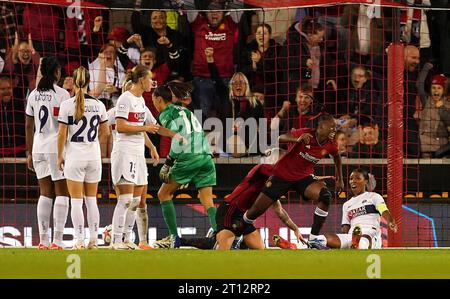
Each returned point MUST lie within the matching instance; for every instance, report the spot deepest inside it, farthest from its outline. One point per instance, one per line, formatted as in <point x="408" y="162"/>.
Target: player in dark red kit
<point x="295" y="171"/>
<point x="230" y="212"/>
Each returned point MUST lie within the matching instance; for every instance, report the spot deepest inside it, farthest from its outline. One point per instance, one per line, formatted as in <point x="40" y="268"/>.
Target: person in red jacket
<point x="218" y="31"/>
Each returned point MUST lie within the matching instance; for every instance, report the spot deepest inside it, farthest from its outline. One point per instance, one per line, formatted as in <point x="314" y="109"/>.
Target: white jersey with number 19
<point x="82" y="142"/>
<point x="44" y="107"/>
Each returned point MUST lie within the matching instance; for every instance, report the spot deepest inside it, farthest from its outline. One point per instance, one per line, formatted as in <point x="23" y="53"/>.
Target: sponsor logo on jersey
<point x="357" y="212"/>
<point x="136" y="117"/>
<point x="216" y="36"/>
<point x="308" y="157"/>
<point x="55" y="111"/>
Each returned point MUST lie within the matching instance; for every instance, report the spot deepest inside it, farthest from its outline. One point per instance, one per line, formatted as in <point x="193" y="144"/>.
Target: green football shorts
<point x="198" y="169"/>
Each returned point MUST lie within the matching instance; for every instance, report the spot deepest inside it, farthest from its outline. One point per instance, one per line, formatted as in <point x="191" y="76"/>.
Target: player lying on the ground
<point x="361" y="216"/>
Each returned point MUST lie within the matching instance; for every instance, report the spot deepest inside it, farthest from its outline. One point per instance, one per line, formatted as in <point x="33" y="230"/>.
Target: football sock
<point x="118" y="220"/>
<point x="44" y="209"/>
<point x="130" y="218"/>
<point x="247" y="220"/>
<point x="200" y="243"/>
<point x="77" y="216"/>
<point x="60" y="211"/>
<point x="364" y="243"/>
<point x="93" y="217"/>
<point x="212" y="217"/>
<point x="319" y="219"/>
<point x="142" y="224"/>
<point x="170" y="216"/>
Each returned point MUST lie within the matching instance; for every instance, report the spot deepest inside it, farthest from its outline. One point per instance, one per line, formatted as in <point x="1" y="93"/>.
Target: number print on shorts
<point x="132" y="169"/>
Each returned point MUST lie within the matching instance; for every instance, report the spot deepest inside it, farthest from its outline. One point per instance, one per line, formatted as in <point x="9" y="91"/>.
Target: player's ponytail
<point x="50" y="70"/>
<point x="81" y="80"/>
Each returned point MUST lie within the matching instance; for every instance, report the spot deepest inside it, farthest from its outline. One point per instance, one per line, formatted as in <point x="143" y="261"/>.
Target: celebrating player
<point x="230" y="212"/>
<point x="42" y="112"/>
<point x="189" y="161"/>
<point x="82" y="123"/>
<point x="360" y="218"/>
<point x="295" y="171"/>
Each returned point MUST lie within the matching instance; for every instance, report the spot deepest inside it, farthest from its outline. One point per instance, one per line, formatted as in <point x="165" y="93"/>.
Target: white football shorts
<point x="45" y="165"/>
<point x="132" y="168"/>
<point x="373" y="232"/>
<point x="83" y="171"/>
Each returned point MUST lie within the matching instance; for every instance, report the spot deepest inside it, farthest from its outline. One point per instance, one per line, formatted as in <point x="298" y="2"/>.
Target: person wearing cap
<point x="433" y="131"/>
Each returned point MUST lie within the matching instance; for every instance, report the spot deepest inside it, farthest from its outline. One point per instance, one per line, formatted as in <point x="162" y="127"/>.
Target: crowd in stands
<point x="285" y="67"/>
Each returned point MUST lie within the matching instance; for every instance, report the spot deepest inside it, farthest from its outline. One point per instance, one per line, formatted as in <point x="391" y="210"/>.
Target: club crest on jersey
<point x="268" y="184"/>
<point x="308" y="146"/>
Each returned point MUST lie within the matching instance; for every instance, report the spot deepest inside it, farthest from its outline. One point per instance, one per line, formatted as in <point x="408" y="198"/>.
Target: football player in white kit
<point x="82" y="125"/>
<point x="135" y="213"/>
<point x="128" y="164"/>
<point x="42" y="112"/>
<point x="361" y="217"/>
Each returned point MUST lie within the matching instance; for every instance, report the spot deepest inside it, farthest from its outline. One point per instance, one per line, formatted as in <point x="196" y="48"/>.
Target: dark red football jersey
<point x="301" y="158"/>
<point x="245" y="194"/>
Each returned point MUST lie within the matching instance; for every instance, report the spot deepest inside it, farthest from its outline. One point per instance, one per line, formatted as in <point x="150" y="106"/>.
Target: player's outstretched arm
<point x="171" y="134"/>
<point x="284" y="217"/>
<point x="123" y="127"/>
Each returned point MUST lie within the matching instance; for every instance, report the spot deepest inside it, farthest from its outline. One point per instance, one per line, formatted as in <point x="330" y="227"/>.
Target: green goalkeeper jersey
<point x="183" y="121"/>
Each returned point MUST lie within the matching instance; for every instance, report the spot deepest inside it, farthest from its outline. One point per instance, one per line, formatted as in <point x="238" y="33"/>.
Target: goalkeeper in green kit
<point x="188" y="162"/>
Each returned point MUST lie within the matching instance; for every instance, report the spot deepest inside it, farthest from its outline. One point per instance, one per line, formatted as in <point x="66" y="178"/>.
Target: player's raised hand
<point x="305" y="138"/>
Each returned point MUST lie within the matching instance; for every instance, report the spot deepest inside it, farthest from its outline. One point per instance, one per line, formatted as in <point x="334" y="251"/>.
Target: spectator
<point x="411" y="102"/>
<point x="109" y="87"/>
<point x="369" y="145"/>
<point x="358" y="96"/>
<point x="342" y="143"/>
<point x="8" y="21"/>
<point x="444" y="115"/>
<point x="12" y="121"/>
<point x="218" y="32"/>
<point x="298" y="116"/>
<point x="433" y="131"/>
<point x="2" y="64"/>
<point x="259" y="62"/>
<point x="22" y="61"/>
<point x="302" y="56"/>
<point x="370" y="31"/>
<point x="168" y="42"/>
<point x="43" y="23"/>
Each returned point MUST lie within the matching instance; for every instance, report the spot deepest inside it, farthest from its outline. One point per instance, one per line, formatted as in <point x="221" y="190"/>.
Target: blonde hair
<point x="133" y="76"/>
<point x="81" y="80"/>
<point x="248" y="94"/>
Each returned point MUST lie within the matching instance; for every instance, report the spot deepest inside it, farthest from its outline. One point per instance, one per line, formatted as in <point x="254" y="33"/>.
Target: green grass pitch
<point x="244" y="264"/>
